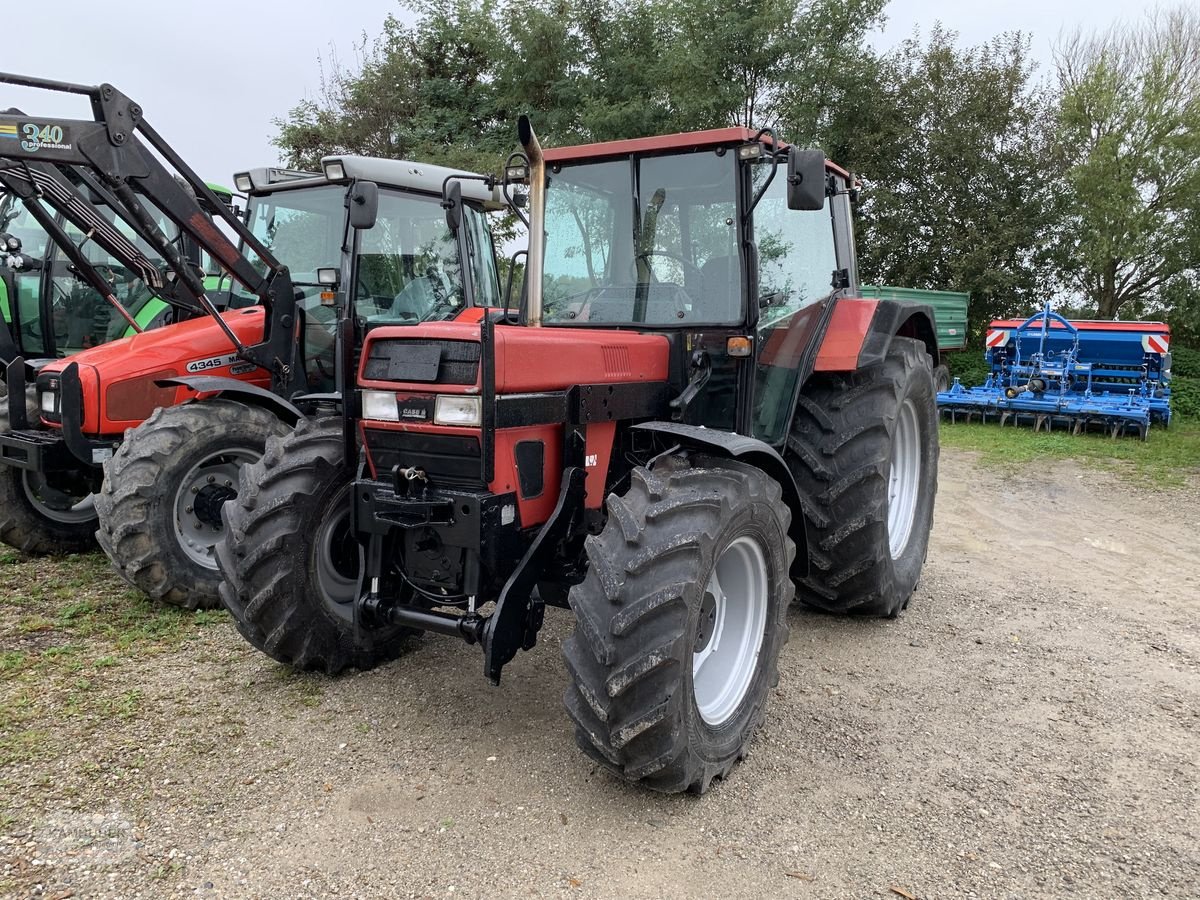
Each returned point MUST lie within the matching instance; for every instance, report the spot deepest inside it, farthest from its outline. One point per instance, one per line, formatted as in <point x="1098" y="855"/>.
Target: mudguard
<point x="753" y="452"/>
<point x="232" y="387"/>
<point x="861" y="331"/>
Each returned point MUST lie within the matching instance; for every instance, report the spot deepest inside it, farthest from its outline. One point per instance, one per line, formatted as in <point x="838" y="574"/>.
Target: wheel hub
<point x="203" y="490"/>
<point x="209" y="501"/>
<point x="708" y="622"/>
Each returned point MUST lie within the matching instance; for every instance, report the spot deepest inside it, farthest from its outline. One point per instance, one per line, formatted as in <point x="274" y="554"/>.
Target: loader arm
<point x="116" y="147"/>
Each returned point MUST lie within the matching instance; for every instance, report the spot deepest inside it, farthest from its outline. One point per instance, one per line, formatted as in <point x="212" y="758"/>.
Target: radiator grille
<point x="424" y="361"/>
<point x="449" y="461"/>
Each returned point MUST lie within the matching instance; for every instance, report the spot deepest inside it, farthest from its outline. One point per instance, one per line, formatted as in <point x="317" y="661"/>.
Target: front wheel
<point x="679" y="623"/>
<point x="160" y="505"/>
<point x="45" y="513"/>
<point x="290" y="562"/>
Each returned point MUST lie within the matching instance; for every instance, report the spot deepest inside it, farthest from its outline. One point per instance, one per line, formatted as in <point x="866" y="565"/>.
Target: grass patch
<point x="67" y="626"/>
<point x="1167" y="459"/>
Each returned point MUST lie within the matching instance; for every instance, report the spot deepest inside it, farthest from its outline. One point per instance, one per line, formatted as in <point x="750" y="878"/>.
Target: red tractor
<point x="690" y="420"/>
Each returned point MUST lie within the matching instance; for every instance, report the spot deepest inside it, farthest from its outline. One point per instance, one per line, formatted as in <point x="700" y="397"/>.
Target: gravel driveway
<point x="1029" y="727"/>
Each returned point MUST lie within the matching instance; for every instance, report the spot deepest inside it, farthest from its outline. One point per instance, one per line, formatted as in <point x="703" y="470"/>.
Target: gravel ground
<point x="1029" y="727"/>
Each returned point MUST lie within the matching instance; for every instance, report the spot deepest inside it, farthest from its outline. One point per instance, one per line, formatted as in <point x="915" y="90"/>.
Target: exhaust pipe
<point x="537" y="220"/>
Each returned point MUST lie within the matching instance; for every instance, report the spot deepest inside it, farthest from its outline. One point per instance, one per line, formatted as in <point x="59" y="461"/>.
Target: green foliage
<point x="1185" y="362"/>
<point x="1128" y="142"/>
<point x="1185" y="397"/>
<point x="979" y="176"/>
<point x="969" y="365"/>
<point x="957" y="197"/>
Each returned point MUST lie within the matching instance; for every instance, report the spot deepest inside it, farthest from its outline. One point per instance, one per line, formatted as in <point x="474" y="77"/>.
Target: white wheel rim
<point x="905" y="479"/>
<point x="202" y="492"/>
<point x="733" y="621"/>
<point x="56" y="505"/>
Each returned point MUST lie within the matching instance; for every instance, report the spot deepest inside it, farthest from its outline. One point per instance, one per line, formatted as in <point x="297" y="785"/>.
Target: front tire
<point x="864" y="450"/>
<point x="45" y="513"/>
<point x="291" y="565"/>
<point x="679" y="623"/>
<point x="160" y="505"/>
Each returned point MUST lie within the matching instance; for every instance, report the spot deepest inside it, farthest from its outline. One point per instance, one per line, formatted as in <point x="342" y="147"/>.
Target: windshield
<point x="650" y="241"/>
<point x="408" y="264"/>
<point x="302" y="228"/>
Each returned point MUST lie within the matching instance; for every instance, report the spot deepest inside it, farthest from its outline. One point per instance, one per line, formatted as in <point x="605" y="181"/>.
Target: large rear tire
<point x="290" y="564"/>
<point x="679" y="623"/>
<point x="45" y="514"/>
<point x="864" y="450"/>
<point x="160" y="505"/>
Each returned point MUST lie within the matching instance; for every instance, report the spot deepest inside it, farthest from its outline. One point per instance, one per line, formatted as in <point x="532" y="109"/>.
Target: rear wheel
<point x="290" y="562"/>
<point x="941" y="379"/>
<point x="160" y="506"/>
<point x="864" y="450"/>
<point x="45" y="513"/>
<point x="679" y="623"/>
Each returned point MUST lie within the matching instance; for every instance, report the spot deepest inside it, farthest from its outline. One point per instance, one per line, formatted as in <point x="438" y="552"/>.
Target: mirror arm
<point x="774" y="168"/>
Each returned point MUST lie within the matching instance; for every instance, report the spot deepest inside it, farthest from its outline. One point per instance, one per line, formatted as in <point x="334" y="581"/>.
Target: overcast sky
<point x="212" y="76"/>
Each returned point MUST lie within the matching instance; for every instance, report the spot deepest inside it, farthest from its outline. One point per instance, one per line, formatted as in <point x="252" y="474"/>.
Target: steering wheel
<point x="690" y="269"/>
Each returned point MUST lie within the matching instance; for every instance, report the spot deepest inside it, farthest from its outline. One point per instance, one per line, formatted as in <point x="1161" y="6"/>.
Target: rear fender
<point x="860" y="332"/>
<point x="753" y="452"/>
<point x="238" y="390"/>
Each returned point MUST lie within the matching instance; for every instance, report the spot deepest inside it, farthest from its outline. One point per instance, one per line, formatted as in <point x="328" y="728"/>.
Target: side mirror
<point x="364" y="205"/>
<point x="806" y="179"/>
<point x="452" y="203"/>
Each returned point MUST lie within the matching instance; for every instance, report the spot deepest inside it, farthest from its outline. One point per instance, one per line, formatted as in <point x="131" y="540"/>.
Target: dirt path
<point x="1030" y="727"/>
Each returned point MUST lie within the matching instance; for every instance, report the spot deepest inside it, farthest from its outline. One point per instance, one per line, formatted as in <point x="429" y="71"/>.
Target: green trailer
<point x="950" y="319"/>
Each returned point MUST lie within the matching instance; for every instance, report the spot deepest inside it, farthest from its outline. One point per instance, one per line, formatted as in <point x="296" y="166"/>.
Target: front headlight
<point x="453" y="410"/>
<point x="381" y="406"/>
<point x="49" y="402"/>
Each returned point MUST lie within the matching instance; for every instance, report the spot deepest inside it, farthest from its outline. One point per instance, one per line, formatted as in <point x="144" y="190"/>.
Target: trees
<point x="956" y="194"/>
<point x="1128" y="143"/>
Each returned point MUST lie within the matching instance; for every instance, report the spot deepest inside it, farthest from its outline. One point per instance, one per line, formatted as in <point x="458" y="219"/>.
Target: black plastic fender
<point x="232" y="387"/>
<point x="753" y="452"/>
<point x="898" y="318"/>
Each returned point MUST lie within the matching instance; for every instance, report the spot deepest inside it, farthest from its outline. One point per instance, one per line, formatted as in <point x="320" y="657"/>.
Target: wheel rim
<point x="904" y="482"/>
<point x="198" y="501"/>
<point x="61" y="505"/>
<point x="337" y="558"/>
<point x="733" y="620"/>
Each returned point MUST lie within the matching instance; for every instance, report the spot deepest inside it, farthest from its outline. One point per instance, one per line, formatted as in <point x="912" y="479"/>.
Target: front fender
<point x="753" y="452"/>
<point x="232" y="387"/>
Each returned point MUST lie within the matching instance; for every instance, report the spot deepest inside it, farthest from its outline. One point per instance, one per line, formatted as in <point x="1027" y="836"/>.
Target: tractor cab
<point x="694" y="235"/>
<point x="400" y="263"/>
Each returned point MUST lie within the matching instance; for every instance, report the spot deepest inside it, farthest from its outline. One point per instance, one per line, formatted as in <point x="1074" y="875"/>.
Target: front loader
<point x="203" y="396"/>
<point x="691" y="420"/>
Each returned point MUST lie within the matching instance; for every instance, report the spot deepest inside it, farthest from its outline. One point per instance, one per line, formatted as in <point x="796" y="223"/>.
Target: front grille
<point x="448" y="460"/>
<point x="423" y="361"/>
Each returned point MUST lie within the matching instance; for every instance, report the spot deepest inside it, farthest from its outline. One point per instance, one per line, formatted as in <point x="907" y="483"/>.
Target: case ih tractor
<point x="691" y="420"/>
<point x="203" y="396"/>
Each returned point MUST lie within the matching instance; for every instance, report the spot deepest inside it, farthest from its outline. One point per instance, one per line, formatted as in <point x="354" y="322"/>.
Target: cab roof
<point x="685" y="142"/>
<point x="404" y="174"/>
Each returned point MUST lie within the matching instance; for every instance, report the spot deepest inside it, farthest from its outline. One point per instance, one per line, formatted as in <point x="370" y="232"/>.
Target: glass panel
<point x="661" y="253"/>
<point x="408" y="264"/>
<point x="483" y="258"/>
<point x="796" y="262"/>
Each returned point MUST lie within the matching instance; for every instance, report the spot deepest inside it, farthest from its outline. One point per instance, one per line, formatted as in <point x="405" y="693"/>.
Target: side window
<point x="483" y="258"/>
<point x="796" y="255"/>
<point x="796" y="261"/>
